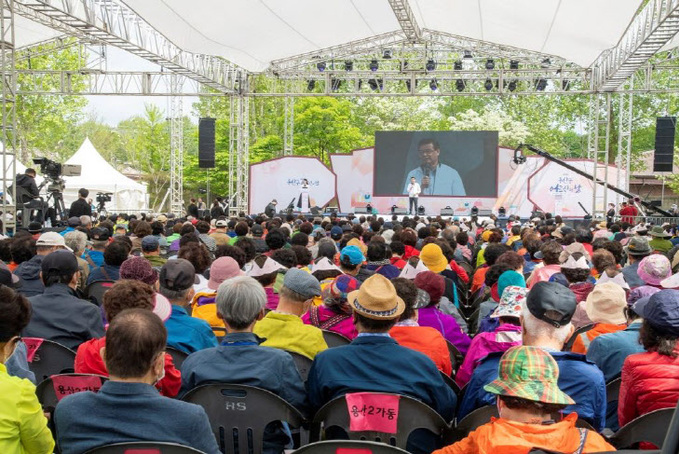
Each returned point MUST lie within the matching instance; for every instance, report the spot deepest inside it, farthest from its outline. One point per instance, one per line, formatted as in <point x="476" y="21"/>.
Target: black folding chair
<point x="49" y="394"/>
<point x="451" y="384"/>
<point x="95" y="291"/>
<point x="238" y="414"/>
<point x="456" y="357"/>
<point x="474" y="420"/>
<point x="50" y="358"/>
<point x="178" y="356"/>
<point x="651" y="427"/>
<point x="412" y="415"/>
<point x="302" y="363"/>
<point x="334" y="339"/>
<point x="145" y="447"/>
<point x="349" y="447"/>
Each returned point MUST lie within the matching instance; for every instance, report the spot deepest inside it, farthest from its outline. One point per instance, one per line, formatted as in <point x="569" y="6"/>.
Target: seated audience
<point x="505" y="336"/>
<point x="549" y="253"/>
<point x="379" y="260"/>
<point x="58" y="314"/>
<point x="77" y="242"/>
<point x="637" y="248"/>
<point x="150" y="248"/>
<point x="507" y="277"/>
<point x="199" y="256"/>
<point x="351" y="263"/>
<point x="408" y="333"/>
<point x="219" y="235"/>
<point x="24" y="426"/>
<point x="575" y="269"/>
<point x="604" y="306"/>
<point x="650" y="380"/>
<point x="335" y="313"/>
<point x="128" y="407"/>
<point x="652" y="270"/>
<point x="95" y="255"/>
<point x="203" y="303"/>
<point x="114" y="255"/>
<point x="29" y="271"/>
<point x="528" y="397"/>
<point x="265" y="271"/>
<point x="283" y="327"/>
<point x="546" y="323"/>
<point x="375" y="362"/>
<point x="184" y="332"/>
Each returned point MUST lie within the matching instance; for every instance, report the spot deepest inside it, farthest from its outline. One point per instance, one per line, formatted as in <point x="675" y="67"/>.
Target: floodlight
<point x="566" y="84"/>
<point x="375" y="84"/>
<point x="541" y="84"/>
<point x="387" y="54"/>
<point x="490" y="64"/>
<point x="311" y="85"/>
<point x="546" y="63"/>
<point x="374" y="66"/>
<point x="433" y="85"/>
<point x="488" y="85"/>
<point x="457" y="65"/>
<point x="335" y="84"/>
<point x="514" y="64"/>
<point x="512" y="85"/>
<point x="459" y="84"/>
<point x="348" y="65"/>
<point x="468" y="54"/>
<point x="431" y="65"/>
<point x="321" y="66"/>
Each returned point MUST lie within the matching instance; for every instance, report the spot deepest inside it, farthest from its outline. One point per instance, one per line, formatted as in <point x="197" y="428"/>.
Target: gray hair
<point x="240" y="300"/>
<point x="85" y="220"/>
<point x="76" y="240"/>
<point x="173" y="295"/>
<point x="535" y="327"/>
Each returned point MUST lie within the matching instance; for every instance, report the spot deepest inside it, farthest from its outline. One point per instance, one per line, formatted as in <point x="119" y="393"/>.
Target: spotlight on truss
<point x="459" y="85"/>
<point x="348" y="65"/>
<point x="431" y="65"/>
<point x="311" y="85"/>
<point x="488" y="85"/>
<point x="374" y="66"/>
<point x="433" y="85"/>
<point x="320" y="66"/>
<point x="512" y="85"/>
<point x="514" y="64"/>
<point x="541" y="84"/>
<point x="457" y="65"/>
<point x="490" y="64"/>
<point x="387" y="54"/>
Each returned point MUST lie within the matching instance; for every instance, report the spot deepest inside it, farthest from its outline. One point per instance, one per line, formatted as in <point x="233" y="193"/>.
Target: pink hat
<point x="654" y="269"/>
<point x="222" y="269"/>
<point x="162" y="307"/>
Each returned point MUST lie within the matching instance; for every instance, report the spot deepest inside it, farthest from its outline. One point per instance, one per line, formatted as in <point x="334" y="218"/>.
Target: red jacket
<point x="88" y="361"/>
<point x="650" y="381"/>
<point x="425" y="340"/>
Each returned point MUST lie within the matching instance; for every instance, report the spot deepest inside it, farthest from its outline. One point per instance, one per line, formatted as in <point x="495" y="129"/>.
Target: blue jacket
<point x="29" y="272"/>
<point x="97" y="258"/>
<point x="379" y="364"/>
<point x="630" y="272"/>
<point x="578" y="378"/>
<point x="97" y="274"/>
<point x="241" y="360"/>
<point x="124" y="412"/>
<point x="17" y="364"/>
<point x="187" y="333"/>
<point x="609" y="351"/>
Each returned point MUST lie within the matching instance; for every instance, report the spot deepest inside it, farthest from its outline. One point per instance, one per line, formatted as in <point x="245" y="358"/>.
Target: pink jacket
<point x="343" y="323"/>
<point x="502" y="339"/>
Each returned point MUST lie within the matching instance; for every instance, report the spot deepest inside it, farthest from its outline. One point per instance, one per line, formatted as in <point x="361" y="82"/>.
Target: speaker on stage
<point x="663" y="158"/>
<point x="398" y="210"/>
<point x="361" y="210"/>
<point x="206" y="143"/>
<point x="447" y="211"/>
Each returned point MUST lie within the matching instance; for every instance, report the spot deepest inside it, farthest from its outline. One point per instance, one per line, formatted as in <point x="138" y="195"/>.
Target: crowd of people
<point x="237" y="295"/>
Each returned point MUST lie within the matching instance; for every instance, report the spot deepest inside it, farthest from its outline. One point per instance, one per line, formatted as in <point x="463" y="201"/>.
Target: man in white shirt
<point x="413" y="192"/>
<point x="436" y="178"/>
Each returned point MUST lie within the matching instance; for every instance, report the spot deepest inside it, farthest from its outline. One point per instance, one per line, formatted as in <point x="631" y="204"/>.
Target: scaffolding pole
<point x="233" y="149"/>
<point x="598" y="141"/>
<point x="7" y="59"/>
<point x="176" y="147"/>
<point x="242" y="153"/>
<point x="289" y="126"/>
<point x="623" y="158"/>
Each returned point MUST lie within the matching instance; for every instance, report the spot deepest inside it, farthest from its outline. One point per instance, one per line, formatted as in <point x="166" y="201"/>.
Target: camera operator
<point x="31" y="193"/>
<point x="81" y="207"/>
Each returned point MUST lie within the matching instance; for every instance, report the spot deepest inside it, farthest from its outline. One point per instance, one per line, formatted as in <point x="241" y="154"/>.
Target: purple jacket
<point x="502" y="339"/>
<point x="446" y="325"/>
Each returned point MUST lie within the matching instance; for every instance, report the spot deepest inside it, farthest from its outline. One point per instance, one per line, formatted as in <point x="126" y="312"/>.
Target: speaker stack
<point x="206" y="143"/>
<point x="663" y="159"/>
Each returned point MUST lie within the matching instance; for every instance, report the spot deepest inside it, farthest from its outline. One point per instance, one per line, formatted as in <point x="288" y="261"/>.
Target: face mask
<point x="162" y="375"/>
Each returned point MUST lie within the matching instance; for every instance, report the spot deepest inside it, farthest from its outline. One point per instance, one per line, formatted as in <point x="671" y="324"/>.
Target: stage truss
<point x="393" y="64"/>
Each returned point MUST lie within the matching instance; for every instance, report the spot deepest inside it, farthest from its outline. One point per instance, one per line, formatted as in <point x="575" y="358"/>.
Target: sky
<point x="112" y="109"/>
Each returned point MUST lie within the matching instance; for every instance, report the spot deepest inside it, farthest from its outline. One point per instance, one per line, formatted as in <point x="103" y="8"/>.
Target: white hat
<point x="52" y="239"/>
<point x="410" y="272"/>
<point x="324" y="264"/>
<point x="270" y="266"/>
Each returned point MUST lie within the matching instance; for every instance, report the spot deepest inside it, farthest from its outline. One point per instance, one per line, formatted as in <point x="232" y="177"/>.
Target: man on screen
<point x="435" y="178"/>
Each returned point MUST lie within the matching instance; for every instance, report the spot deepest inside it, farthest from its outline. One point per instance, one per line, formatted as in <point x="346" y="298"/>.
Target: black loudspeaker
<point x="360" y="210"/>
<point x="206" y="143"/>
<point x="447" y="211"/>
<point x="663" y="158"/>
<point x="399" y="211"/>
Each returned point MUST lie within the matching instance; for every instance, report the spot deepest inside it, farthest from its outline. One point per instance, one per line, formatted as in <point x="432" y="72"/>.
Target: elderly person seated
<point x="335" y="313"/>
<point x="408" y="333"/>
<point x="24" y="426"/>
<point x="77" y="242"/>
<point x="546" y="322"/>
<point x="134" y="353"/>
<point x="203" y="304"/>
<point x="528" y="397"/>
<point x="505" y="336"/>
<point x="265" y="271"/>
<point x="604" y="306"/>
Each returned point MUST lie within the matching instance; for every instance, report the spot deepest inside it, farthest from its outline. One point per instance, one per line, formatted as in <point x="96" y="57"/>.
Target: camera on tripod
<point x="103" y="197"/>
<point x="53" y="171"/>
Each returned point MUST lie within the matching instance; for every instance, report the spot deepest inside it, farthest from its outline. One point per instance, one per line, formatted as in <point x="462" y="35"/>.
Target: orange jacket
<point x="581" y="344"/>
<point x="501" y="436"/>
<point x="425" y="340"/>
<point x="479" y="278"/>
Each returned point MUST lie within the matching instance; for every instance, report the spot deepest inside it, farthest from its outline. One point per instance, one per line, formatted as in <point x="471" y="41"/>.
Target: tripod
<point x="101" y="208"/>
<point x="57" y="212"/>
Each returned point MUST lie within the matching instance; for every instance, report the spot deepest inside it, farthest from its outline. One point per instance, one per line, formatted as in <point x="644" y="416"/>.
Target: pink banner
<point x="375" y="412"/>
<point x="32" y="345"/>
<point x="65" y="385"/>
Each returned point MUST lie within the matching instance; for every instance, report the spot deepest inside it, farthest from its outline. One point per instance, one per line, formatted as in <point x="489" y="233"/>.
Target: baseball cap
<point x="100" y="234"/>
<point x="52" y="239"/>
<point x="302" y="282"/>
<point x="336" y="232"/>
<point x="222" y="269"/>
<point x="257" y="230"/>
<point x="552" y="303"/>
<point x="61" y="261"/>
<point x="353" y="255"/>
<point x="221" y="223"/>
<point x="74" y="221"/>
<point x="177" y="275"/>
<point x="149" y="243"/>
<point x="7" y="277"/>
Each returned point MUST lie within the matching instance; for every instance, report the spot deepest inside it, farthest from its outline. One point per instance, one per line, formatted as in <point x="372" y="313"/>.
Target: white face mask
<point x="162" y="372"/>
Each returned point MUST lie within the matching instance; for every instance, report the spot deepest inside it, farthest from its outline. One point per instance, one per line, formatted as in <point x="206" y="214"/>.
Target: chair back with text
<point x="410" y="414"/>
<point x="349" y="447"/>
<point x="144" y="447"/>
<point x="238" y="414"/>
<point x="334" y="339"/>
<point x="47" y="358"/>
<point x="178" y="356"/>
<point x="51" y="390"/>
<point x="95" y="291"/>
<point x="651" y="427"/>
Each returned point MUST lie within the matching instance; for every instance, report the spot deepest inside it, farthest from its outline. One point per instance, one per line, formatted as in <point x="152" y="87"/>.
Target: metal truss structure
<point x="288" y="126"/>
<point x="239" y="144"/>
<point x="176" y="112"/>
<point x="655" y="25"/>
<point x="624" y="152"/>
<point x="598" y="149"/>
<point x="406" y="19"/>
<point x="8" y="107"/>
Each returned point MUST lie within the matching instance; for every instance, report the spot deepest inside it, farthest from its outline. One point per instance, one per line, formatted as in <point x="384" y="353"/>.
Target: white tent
<point x="100" y="176"/>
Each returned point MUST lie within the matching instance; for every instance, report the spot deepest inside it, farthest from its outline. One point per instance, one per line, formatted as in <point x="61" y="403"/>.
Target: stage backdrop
<point x="281" y="179"/>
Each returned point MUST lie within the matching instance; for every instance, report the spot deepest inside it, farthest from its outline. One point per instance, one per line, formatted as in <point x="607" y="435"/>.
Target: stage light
<point x="420" y="210"/>
<point x="321" y="66"/>
<point x="541" y="84"/>
<point x="546" y="63"/>
<point x="311" y="85"/>
<point x="433" y="85"/>
<point x="387" y="54"/>
<point x="404" y="65"/>
<point x="360" y="83"/>
<point x="348" y="65"/>
<point x="373" y="84"/>
<point x="457" y="65"/>
<point x="408" y="84"/>
<point x="431" y="65"/>
<point x="468" y="54"/>
<point x="490" y="64"/>
<point x="475" y="211"/>
<point x="374" y="66"/>
<point x="502" y="212"/>
<point x="512" y="85"/>
<point x="459" y="84"/>
<point x="514" y="64"/>
<point x="488" y="85"/>
<point x="369" y="208"/>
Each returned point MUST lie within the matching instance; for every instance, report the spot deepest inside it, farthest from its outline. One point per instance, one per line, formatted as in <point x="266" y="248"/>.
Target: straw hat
<point x="377" y="299"/>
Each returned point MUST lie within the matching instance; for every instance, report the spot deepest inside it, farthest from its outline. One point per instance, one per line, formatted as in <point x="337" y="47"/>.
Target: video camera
<point x="53" y="171"/>
<point x="103" y="197"/>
